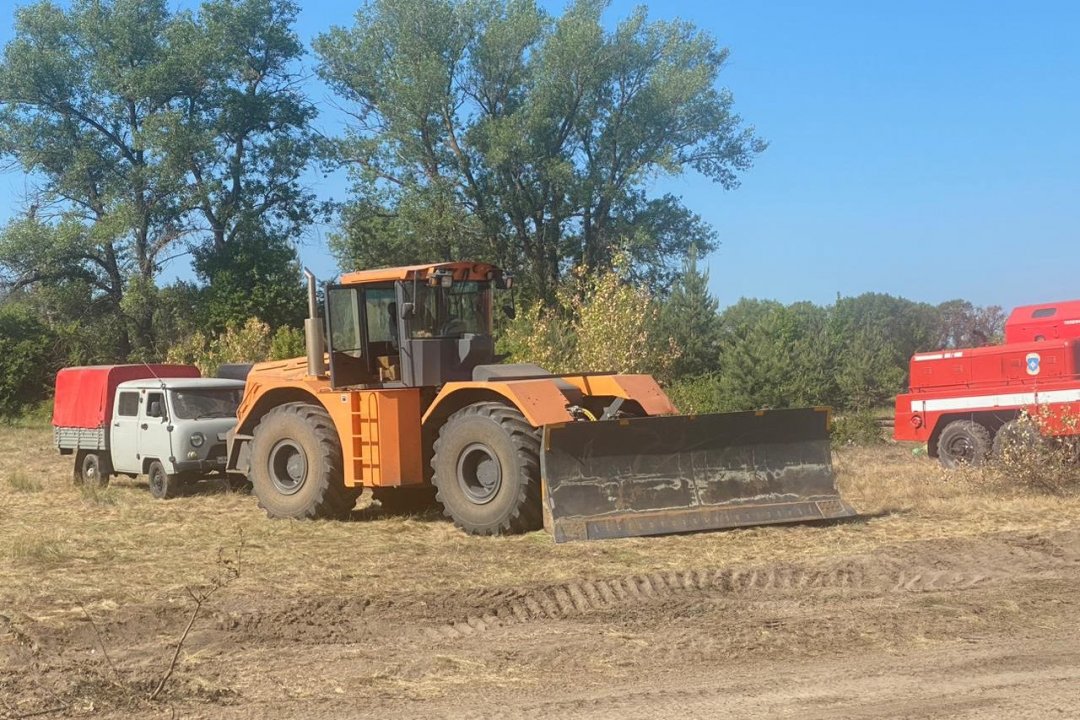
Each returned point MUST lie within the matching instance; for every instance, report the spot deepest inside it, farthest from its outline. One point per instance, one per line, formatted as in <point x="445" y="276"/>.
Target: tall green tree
<point x="245" y="138"/>
<point x="152" y="132"/>
<point x="775" y="356"/>
<point x="494" y="129"/>
<point x="691" y="319"/>
<point x="82" y="91"/>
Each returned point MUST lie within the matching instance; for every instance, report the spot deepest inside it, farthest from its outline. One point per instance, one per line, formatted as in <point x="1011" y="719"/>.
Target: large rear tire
<point x="487" y="470"/>
<point x="964" y="443"/>
<point x="296" y="464"/>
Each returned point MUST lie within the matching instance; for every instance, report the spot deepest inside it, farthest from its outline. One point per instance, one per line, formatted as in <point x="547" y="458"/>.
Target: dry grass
<point x="61" y="546"/>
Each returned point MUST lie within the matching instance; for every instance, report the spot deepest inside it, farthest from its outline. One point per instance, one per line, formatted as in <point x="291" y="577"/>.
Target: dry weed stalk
<point x="229" y="571"/>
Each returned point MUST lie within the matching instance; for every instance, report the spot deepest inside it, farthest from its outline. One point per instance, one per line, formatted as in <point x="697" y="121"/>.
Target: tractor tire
<point x="296" y="464"/>
<point x="486" y="467"/>
<point x="91" y="469"/>
<point x="1015" y="438"/>
<point x="405" y="501"/>
<point x="964" y="443"/>
<point x="163" y="486"/>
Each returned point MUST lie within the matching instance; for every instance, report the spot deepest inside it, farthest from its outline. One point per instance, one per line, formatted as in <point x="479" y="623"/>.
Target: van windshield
<point x="195" y="403"/>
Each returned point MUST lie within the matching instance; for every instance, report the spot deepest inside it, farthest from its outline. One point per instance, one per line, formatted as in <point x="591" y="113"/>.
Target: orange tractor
<point x="401" y="392"/>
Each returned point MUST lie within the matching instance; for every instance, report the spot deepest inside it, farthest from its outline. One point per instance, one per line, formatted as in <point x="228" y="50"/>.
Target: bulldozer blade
<point x="672" y="474"/>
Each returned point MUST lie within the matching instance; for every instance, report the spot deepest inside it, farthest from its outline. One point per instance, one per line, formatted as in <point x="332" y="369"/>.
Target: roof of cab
<point x="182" y="384"/>
<point x="462" y="271"/>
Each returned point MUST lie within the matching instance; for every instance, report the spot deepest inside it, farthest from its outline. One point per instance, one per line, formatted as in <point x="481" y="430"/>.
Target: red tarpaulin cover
<point x="84" y="395"/>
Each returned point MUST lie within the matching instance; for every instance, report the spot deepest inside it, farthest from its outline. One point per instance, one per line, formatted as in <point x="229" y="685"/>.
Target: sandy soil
<point x="871" y="619"/>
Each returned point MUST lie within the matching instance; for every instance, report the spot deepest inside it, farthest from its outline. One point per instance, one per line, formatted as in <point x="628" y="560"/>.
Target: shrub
<point x="27" y="359"/>
<point x="696" y="395"/>
<point x="250" y="342"/>
<point x="599" y="322"/>
<point x="856" y="428"/>
<point x="1024" y="458"/>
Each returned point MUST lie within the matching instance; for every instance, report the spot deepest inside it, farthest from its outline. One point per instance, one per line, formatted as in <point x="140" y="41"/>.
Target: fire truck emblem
<point x="1033" y="363"/>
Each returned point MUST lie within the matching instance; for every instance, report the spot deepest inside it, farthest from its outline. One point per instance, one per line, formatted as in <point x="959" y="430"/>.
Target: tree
<point x="777" y="357"/>
<point x="27" y="358"/>
<point x="495" y="130"/>
<point x="82" y="93"/>
<point x="962" y="324"/>
<point x="691" y="318"/>
<point x="153" y="132"/>
<point x="599" y="322"/>
<point x="245" y="139"/>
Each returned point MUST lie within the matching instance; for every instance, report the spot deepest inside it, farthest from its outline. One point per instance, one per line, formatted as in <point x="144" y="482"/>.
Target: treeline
<point x="852" y="355"/>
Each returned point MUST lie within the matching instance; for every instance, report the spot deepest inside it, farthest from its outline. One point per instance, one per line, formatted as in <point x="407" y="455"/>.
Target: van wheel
<point x="964" y="442"/>
<point x="296" y="464"/>
<point x="91" y="470"/>
<point x="163" y="486"/>
<point x="487" y="470"/>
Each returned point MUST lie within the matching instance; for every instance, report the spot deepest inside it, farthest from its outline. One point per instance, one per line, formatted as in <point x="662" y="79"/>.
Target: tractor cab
<point x="418" y="326"/>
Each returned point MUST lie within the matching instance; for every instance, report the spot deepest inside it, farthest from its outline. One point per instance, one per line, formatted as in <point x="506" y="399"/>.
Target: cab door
<point x="124" y="433"/>
<point x="155" y="430"/>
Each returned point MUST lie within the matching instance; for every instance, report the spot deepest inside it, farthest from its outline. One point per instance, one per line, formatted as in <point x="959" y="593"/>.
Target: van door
<point x="156" y="430"/>
<point x="124" y="433"/>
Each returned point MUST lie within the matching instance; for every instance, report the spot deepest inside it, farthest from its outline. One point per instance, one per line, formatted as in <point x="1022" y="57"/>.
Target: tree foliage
<point x="691" y="319"/>
<point x="601" y="322"/>
<point x="493" y="129"/>
<point x="27" y="358"/>
<point x="150" y="131"/>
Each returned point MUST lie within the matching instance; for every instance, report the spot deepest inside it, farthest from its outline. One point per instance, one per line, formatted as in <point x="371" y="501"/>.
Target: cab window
<point x="128" y="405"/>
<point x="155" y="405"/>
<point x="344" y="311"/>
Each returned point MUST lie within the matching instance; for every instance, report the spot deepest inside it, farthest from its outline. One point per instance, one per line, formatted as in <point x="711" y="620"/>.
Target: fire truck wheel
<point x="963" y="442"/>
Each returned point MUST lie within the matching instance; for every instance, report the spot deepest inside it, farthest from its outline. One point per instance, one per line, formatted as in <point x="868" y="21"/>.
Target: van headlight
<point x="197" y="439"/>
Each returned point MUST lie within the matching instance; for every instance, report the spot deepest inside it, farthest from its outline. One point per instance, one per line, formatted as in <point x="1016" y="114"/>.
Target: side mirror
<point x="154" y="410"/>
<point x="509" y="310"/>
<point x="408" y="310"/>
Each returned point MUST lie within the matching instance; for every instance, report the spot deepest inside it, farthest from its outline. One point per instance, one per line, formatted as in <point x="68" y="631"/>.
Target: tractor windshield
<point x="464" y="307"/>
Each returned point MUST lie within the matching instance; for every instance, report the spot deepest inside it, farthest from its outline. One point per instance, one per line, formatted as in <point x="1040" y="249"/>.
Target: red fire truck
<point x="965" y="403"/>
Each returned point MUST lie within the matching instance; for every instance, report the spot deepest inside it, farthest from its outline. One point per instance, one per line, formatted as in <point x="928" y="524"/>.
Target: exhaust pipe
<point x="313" y="331"/>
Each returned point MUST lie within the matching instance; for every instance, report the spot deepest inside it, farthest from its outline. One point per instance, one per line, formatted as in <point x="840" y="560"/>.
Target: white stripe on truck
<point x="994" y="401"/>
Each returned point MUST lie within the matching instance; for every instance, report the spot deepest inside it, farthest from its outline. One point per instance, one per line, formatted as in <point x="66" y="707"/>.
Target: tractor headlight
<point x="197" y="439"/>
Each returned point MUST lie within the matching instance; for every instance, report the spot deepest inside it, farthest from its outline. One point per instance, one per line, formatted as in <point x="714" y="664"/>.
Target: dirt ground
<point x="952" y="597"/>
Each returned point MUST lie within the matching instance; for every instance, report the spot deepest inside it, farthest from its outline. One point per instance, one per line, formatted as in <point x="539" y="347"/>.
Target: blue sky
<point x="924" y="149"/>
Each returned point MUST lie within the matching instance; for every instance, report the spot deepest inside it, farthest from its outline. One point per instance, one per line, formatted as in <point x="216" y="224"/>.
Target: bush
<point x="696" y="395"/>
<point x="27" y="359"/>
<point x="857" y="428"/>
<point x="598" y="323"/>
<point x="250" y="342"/>
<point x="1026" y="459"/>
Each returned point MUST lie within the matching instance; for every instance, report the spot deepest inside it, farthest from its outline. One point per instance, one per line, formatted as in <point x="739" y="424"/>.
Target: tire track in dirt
<point x="919" y="567"/>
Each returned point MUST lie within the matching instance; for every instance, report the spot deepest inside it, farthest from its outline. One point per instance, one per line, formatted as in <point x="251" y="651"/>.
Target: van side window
<point x="1044" y="313"/>
<point x="129" y="404"/>
<point x="155" y="405"/>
